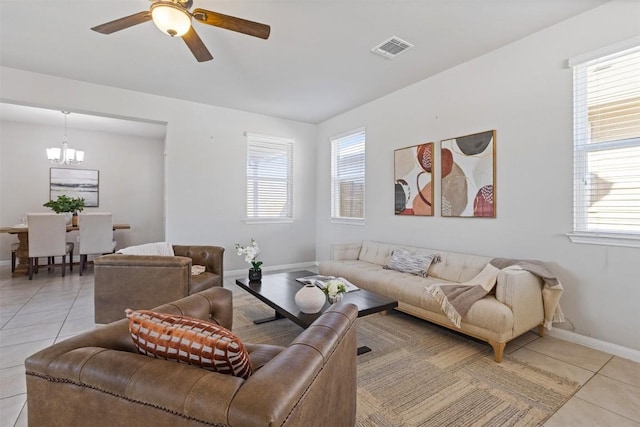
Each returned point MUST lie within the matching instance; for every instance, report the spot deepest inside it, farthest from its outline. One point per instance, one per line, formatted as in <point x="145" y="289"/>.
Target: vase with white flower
<point x="250" y="253"/>
<point x="335" y="290"/>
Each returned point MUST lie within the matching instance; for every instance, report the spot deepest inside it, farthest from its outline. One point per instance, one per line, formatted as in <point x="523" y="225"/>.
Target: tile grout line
<point x="68" y="312"/>
<point x="24" y="405"/>
<point x="25" y="303"/>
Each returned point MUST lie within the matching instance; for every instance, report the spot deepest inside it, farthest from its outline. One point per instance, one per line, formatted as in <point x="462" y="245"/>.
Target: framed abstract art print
<point x="467" y="166"/>
<point x="413" y="176"/>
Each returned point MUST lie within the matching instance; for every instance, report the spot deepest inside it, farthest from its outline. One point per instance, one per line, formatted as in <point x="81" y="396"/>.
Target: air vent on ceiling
<point x="392" y="47"/>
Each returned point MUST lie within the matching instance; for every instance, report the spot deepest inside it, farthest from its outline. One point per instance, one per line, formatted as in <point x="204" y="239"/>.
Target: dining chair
<point x="14" y="250"/>
<point x="96" y="235"/>
<point x="48" y="238"/>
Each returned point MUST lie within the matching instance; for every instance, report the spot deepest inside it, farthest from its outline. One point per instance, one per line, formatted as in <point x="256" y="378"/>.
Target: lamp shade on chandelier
<point x="64" y="154"/>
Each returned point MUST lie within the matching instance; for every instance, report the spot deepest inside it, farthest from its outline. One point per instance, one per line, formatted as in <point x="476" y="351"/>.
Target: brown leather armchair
<point x="99" y="379"/>
<point x="147" y="281"/>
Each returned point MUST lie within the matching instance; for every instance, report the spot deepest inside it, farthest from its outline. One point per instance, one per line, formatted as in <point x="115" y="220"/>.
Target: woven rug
<point x="419" y="374"/>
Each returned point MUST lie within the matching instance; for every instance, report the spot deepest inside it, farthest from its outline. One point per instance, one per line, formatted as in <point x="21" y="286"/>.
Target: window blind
<point x="269" y="177"/>
<point x="607" y="143"/>
<point x="347" y="176"/>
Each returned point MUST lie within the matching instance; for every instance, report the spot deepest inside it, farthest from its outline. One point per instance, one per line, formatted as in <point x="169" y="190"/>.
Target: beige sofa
<point x="514" y="308"/>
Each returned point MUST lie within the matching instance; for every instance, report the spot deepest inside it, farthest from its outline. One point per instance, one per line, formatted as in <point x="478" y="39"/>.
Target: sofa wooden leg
<point x="498" y="350"/>
<point x="541" y="331"/>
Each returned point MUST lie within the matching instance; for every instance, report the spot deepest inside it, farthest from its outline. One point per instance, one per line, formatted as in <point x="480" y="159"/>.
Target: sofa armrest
<point x="345" y="251"/>
<point x="521" y="291"/>
<point x="302" y="380"/>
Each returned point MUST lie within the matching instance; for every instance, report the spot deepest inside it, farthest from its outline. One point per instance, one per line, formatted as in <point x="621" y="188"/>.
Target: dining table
<point x="22" y="253"/>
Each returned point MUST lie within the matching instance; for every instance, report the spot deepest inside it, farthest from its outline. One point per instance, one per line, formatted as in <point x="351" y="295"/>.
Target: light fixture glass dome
<point x="170" y="18"/>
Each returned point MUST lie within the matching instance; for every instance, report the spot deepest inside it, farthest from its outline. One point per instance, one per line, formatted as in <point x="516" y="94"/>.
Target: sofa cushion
<point x="188" y="340"/>
<point x="410" y="262"/>
<point x="375" y="252"/>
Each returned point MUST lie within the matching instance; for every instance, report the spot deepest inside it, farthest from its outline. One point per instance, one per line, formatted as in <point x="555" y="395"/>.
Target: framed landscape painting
<point x="413" y="176"/>
<point x="468" y="176"/>
<point x="75" y="183"/>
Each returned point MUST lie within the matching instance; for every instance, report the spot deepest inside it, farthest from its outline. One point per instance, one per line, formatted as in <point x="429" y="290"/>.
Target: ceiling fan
<point x="172" y="17"/>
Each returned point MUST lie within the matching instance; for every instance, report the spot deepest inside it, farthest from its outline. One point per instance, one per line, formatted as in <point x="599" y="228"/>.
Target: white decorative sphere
<point x="310" y="299"/>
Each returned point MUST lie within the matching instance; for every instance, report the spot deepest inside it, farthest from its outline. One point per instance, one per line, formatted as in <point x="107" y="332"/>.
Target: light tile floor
<point x="35" y="314"/>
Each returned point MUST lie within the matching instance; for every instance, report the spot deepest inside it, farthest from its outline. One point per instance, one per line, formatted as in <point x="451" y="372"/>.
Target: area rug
<point x="419" y="374"/>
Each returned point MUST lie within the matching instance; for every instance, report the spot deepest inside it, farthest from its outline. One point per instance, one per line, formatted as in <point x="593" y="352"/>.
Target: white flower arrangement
<point x="250" y="254"/>
<point x="334" y="287"/>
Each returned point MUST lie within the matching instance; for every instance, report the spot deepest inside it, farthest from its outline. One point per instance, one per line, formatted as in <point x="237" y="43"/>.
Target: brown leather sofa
<point x="99" y="379"/>
<point x="147" y="281"/>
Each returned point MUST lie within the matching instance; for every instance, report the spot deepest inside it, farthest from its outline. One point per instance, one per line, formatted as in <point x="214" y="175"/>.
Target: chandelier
<point x="65" y="155"/>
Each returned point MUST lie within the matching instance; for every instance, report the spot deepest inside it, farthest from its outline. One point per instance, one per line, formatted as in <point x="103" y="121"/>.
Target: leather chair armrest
<point x="210" y="256"/>
<point x="213" y="305"/>
<point x="299" y="386"/>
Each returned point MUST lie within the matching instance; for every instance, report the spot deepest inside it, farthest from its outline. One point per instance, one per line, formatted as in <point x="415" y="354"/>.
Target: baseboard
<point x="596" y="344"/>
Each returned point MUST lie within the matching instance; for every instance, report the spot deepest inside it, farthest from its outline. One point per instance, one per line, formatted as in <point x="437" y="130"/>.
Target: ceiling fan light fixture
<point x="170" y="18"/>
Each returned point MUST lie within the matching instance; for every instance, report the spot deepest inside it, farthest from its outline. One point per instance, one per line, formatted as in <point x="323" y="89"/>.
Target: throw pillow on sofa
<point x="411" y="262"/>
<point x="188" y="340"/>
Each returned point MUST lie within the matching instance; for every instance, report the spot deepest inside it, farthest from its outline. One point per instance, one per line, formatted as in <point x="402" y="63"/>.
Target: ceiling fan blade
<point x="122" y="23"/>
<point x="232" y="23"/>
<point x="196" y="46"/>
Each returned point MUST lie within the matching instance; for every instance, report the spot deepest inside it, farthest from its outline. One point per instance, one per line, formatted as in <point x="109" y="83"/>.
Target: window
<point x="269" y="178"/>
<point x="347" y="177"/>
<point x="607" y="148"/>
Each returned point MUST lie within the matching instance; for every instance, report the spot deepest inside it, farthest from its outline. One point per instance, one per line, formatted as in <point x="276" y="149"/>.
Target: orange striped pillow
<point x="188" y="340"/>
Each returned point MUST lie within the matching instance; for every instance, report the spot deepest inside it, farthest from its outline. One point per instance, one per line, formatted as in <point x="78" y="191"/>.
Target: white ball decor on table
<point x="310" y="299"/>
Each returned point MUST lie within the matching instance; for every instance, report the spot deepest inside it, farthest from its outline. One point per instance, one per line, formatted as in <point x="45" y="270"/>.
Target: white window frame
<point x="582" y="147"/>
<point x="338" y="176"/>
<point x="260" y="145"/>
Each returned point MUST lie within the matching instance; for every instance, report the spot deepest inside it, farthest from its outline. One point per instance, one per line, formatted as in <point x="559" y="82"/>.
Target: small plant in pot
<point x="65" y="204"/>
<point x="250" y="254"/>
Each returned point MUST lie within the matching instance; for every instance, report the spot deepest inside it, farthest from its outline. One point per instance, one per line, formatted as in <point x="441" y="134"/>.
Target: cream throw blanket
<point x="457" y="299"/>
<point x="157" y="248"/>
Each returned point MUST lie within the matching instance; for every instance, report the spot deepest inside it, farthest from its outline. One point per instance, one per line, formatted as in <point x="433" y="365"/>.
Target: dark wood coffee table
<point x="278" y="292"/>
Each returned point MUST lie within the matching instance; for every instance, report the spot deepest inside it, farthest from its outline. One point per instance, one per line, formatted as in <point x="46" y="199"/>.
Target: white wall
<point x="205" y="170"/>
<point x="130" y="185"/>
<point x="524" y="91"/>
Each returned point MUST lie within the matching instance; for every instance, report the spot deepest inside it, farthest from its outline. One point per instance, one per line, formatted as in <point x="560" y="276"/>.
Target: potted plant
<point x="67" y="205"/>
<point x="250" y="254"/>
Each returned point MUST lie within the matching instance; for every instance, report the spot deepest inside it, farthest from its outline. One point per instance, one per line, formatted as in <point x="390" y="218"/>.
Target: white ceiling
<point x="316" y="64"/>
<point x="46" y="117"/>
